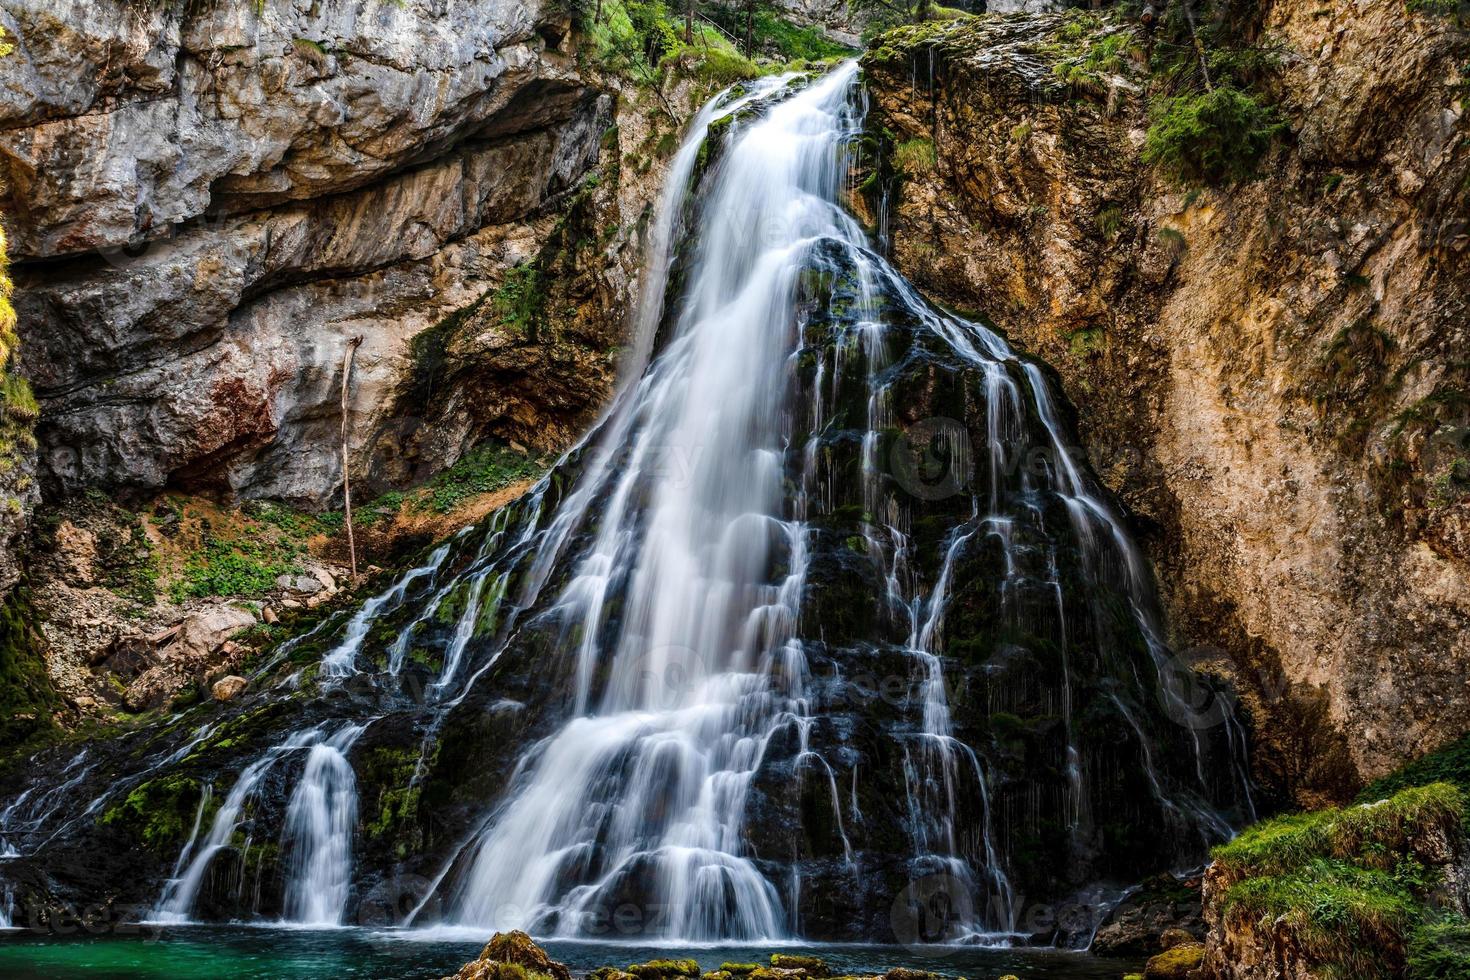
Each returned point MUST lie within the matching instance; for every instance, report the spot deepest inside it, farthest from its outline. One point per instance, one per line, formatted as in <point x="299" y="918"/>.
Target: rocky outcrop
<point x="1351" y="891"/>
<point x="512" y="949"/>
<point x="1266" y="373"/>
<point x="210" y="202"/>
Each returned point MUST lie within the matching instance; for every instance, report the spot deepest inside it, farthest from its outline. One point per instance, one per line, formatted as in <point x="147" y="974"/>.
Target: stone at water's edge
<point x="513" y="949"/>
<point x="1179" y="962"/>
<point x="515" y="956"/>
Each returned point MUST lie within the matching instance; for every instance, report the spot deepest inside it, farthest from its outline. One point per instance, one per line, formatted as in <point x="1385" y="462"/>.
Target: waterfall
<point x="809" y="476"/>
<point x="319" y="825"/>
<point x="318" y="832"/>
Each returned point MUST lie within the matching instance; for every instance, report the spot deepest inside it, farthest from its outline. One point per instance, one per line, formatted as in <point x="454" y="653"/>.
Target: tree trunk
<point x="352" y="346"/>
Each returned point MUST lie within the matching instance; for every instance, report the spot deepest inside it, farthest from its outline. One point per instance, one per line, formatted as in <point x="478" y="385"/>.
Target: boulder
<point x="512" y="956"/>
<point x="1176" y="963"/>
<point x="203" y="633"/>
<point x="229" y="687"/>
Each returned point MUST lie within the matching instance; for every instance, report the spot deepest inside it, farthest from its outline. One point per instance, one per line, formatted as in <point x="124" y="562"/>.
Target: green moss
<point x="738" y="968"/>
<point x="159" y="812"/>
<point x="1368" y="833"/>
<point x="26" y="695"/>
<point x="811" y="964"/>
<point x="663" y="969"/>
<point x="1216" y="137"/>
<point x="485" y="469"/>
<point x="1179" y="961"/>
<point x="1450" y="764"/>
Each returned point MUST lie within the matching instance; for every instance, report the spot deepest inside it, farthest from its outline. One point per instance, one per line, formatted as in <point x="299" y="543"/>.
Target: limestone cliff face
<point x="208" y="202"/>
<point x="1271" y="376"/>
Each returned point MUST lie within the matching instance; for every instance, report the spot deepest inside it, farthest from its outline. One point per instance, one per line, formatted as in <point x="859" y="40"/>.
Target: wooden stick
<point x="352" y="346"/>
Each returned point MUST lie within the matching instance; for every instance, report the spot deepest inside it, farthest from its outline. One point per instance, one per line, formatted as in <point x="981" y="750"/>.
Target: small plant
<point x="519" y="300"/>
<point x="1110" y="221"/>
<point x="915" y="156"/>
<point x="234" y="568"/>
<point x="1216" y="137"/>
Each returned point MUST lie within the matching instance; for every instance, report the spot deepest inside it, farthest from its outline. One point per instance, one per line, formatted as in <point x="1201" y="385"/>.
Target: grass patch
<point x="1367" y="833"/>
<point x="915" y="156"/>
<point x="1353" y="890"/>
<point x="484" y="469"/>
<point x="1450" y="764"/>
<point x="1215" y="138"/>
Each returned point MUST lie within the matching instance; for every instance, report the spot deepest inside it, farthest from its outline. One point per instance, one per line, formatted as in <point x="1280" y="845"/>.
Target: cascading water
<point x="823" y="616"/>
<point x="320" y="822"/>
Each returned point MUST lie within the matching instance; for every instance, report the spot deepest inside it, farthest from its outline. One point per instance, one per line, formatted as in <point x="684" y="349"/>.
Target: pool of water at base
<point x="252" y="953"/>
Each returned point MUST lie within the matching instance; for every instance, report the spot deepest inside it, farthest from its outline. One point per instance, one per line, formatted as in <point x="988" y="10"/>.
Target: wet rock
<point x="513" y="949"/>
<point x="811" y="965"/>
<point x="228" y="688"/>
<point x="1176" y="937"/>
<point x="1178" y="963"/>
<point x="664" y="969"/>
<point x="1161" y="906"/>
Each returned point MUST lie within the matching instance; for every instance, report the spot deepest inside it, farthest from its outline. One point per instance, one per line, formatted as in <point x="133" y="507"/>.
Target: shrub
<point x="519" y="299"/>
<point x="1215" y="137"/>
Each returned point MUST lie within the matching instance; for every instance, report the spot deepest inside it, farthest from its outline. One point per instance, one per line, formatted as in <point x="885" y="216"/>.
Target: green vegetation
<point x="1355" y="888"/>
<point x="1215" y="137"/>
<point x="484" y="469"/>
<point x="717" y="44"/>
<point x="1450" y="764"/>
<point x="161" y="811"/>
<point x="18" y="408"/>
<point x="1087" y="64"/>
<point x="520" y="300"/>
<point x="26" y="695"/>
<point x="240" y="567"/>
<point x="915" y="156"/>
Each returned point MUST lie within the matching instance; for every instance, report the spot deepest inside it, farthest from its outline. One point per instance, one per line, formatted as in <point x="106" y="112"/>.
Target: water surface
<point x="249" y="953"/>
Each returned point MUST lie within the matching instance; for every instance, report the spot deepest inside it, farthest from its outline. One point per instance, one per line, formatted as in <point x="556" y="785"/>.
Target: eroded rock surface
<point x="1267" y="374"/>
<point x="210" y="203"/>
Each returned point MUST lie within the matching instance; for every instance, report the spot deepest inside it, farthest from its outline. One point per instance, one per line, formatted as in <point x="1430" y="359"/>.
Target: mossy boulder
<point x="813" y="966"/>
<point x="513" y="956"/>
<point x="664" y="969"/>
<point x="1176" y="963"/>
<point x="739" y="969"/>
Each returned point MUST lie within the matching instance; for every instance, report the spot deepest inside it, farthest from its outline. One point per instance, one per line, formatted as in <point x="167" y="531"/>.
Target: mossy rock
<point x="159" y="812"/>
<point x="813" y="966"/>
<point x="1176" y="963"/>
<point x="518" y="949"/>
<point x="660" y="969"/>
<point x="740" y="969"/>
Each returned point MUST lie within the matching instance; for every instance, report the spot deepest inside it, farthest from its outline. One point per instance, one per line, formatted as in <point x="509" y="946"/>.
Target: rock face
<point x="1266" y="374"/>
<point x="208" y="202"/>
